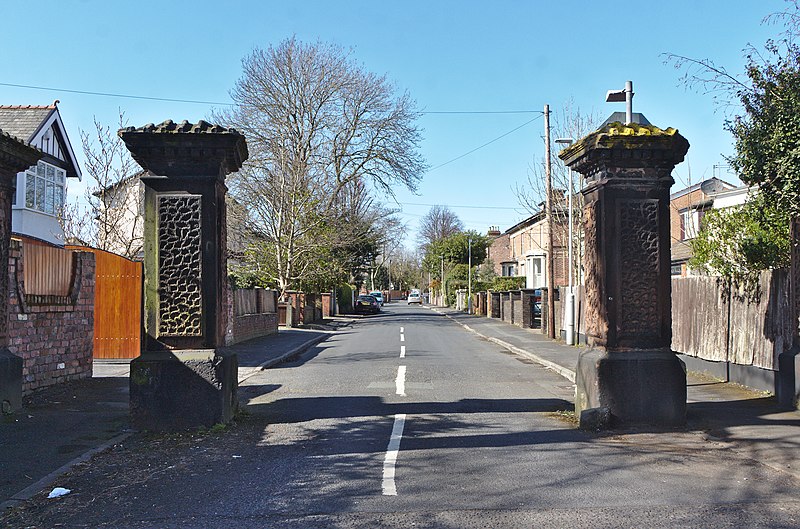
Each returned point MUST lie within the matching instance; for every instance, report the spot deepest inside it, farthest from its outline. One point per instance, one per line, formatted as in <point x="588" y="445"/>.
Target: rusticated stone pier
<point x="629" y="375"/>
<point x="184" y="377"/>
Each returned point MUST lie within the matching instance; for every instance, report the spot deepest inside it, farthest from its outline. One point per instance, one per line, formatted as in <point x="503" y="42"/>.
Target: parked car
<point x="377" y="295"/>
<point x="414" y="297"/>
<point x="367" y="305"/>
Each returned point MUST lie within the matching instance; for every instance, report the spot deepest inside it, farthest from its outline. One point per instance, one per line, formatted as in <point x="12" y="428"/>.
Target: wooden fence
<point x="48" y="269"/>
<point x="253" y="301"/>
<point x="117" y="305"/>
<point x="713" y="323"/>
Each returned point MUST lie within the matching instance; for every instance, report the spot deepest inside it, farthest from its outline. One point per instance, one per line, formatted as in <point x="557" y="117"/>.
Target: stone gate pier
<point x="629" y="374"/>
<point x="184" y="377"/>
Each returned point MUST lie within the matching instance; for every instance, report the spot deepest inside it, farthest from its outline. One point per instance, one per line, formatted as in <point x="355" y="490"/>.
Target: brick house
<point x="527" y="242"/>
<point x="499" y="253"/>
<point x="687" y="209"/>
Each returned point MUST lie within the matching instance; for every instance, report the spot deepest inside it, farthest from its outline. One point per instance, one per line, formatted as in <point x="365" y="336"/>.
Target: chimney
<point x="494" y="231"/>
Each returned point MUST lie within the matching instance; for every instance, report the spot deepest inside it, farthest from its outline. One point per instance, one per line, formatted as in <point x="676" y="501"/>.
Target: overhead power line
<point x="481" y="112"/>
<point x="484" y="145"/>
<point x="462" y="206"/>
<point x="108" y="94"/>
<point x="229" y="103"/>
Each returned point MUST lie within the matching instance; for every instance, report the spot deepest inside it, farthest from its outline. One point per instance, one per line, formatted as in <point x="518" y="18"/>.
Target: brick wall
<point x="263" y="321"/>
<point x="54" y="335"/>
<point x="249" y="326"/>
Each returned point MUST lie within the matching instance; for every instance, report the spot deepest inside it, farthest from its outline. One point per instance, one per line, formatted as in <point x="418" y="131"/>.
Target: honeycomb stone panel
<point x="179" y="265"/>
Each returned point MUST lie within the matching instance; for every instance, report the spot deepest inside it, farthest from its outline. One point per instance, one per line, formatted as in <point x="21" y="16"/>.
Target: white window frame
<point x="45" y="188"/>
<point x="535" y="263"/>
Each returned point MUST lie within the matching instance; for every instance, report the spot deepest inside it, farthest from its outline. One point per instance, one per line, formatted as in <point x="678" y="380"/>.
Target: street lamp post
<point x="626" y="95"/>
<point x="570" y="309"/>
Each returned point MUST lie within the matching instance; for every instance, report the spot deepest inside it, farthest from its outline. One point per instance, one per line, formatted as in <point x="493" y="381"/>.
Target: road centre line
<point x="390" y="460"/>
<point x="402" y="337"/>
<point x="400" y="381"/>
<point x="402" y="351"/>
<point x="402" y="330"/>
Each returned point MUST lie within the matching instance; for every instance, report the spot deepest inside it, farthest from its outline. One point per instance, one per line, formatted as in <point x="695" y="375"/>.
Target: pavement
<point x="68" y="423"/>
<point x="63" y="426"/>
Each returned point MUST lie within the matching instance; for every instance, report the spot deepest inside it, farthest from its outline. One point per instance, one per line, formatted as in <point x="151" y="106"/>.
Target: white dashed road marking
<point x="401" y="381"/>
<point x="392" y="450"/>
<point x="402" y="351"/>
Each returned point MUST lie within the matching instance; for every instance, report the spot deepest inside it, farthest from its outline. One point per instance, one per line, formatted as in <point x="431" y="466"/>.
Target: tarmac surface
<point x="68" y="423"/>
<point x="64" y="426"/>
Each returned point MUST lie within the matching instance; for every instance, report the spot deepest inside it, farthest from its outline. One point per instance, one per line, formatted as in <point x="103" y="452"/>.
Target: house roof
<point x="112" y="188"/>
<point x="711" y="186"/>
<point x="24" y="121"/>
<point x="31" y="123"/>
<point x="533" y="219"/>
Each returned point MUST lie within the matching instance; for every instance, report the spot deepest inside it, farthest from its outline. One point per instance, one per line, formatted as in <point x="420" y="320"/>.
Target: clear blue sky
<point x="450" y="55"/>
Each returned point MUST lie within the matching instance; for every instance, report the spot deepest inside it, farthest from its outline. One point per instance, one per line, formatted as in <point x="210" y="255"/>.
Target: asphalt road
<point x="406" y="420"/>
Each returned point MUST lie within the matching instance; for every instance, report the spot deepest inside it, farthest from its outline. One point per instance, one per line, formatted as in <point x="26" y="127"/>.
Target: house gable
<point x="42" y="127"/>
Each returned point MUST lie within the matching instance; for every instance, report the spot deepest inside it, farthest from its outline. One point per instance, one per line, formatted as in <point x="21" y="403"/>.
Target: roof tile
<point x="23" y="121"/>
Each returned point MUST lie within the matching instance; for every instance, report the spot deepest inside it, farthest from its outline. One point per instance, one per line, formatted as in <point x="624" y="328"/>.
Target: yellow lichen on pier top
<point x="634" y="129"/>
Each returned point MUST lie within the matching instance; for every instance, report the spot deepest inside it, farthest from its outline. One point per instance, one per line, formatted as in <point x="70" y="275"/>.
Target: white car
<point x="414" y="297"/>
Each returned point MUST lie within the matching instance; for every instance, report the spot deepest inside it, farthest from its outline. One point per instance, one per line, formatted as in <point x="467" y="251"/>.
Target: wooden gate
<point x="117" y="306"/>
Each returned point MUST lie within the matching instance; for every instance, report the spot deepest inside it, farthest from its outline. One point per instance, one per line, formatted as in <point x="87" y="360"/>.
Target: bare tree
<point x="439" y="223"/>
<point x="112" y="217"/>
<point x="569" y="122"/>
<point x="320" y="131"/>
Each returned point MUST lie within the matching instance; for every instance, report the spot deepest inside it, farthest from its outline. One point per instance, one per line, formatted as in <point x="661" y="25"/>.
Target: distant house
<point x="121" y="222"/>
<point x="687" y="209"/>
<point x="499" y="253"/>
<point x="41" y="189"/>
<point x="121" y="227"/>
<point x="527" y="241"/>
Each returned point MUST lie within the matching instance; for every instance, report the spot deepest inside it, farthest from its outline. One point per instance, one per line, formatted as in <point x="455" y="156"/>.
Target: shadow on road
<point x="302" y="409"/>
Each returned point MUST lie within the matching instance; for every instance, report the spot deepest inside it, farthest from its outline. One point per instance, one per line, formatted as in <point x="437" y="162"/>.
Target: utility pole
<point x="548" y="211"/>
<point x="570" y="306"/>
<point x="469" y="282"/>
<point x="441" y="285"/>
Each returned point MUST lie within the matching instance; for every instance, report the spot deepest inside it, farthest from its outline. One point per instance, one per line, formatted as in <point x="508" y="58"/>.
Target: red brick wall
<point x="55" y="340"/>
<point x="249" y="326"/>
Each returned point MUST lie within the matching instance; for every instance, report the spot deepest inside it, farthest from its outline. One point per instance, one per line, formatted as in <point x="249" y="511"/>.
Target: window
<point x="44" y="188"/>
<point x="534" y="273"/>
<point x="509" y="270"/>
<point x="691" y="222"/>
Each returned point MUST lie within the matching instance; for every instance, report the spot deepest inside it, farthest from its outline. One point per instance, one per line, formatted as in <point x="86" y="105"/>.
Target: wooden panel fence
<point x="47" y="270"/>
<point x="712" y="323"/>
<point x="118" y="305"/>
<point x="244" y="301"/>
<point x="254" y="301"/>
<point x="699" y="318"/>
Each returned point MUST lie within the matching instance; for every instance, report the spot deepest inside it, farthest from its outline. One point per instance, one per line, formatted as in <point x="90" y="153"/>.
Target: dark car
<point x="367" y="305"/>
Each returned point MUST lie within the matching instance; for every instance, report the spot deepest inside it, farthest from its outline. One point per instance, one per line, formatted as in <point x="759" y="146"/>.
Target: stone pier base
<point x="10" y="381"/>
<point x="636" y="387"/>
<point x="171" y="391"/>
